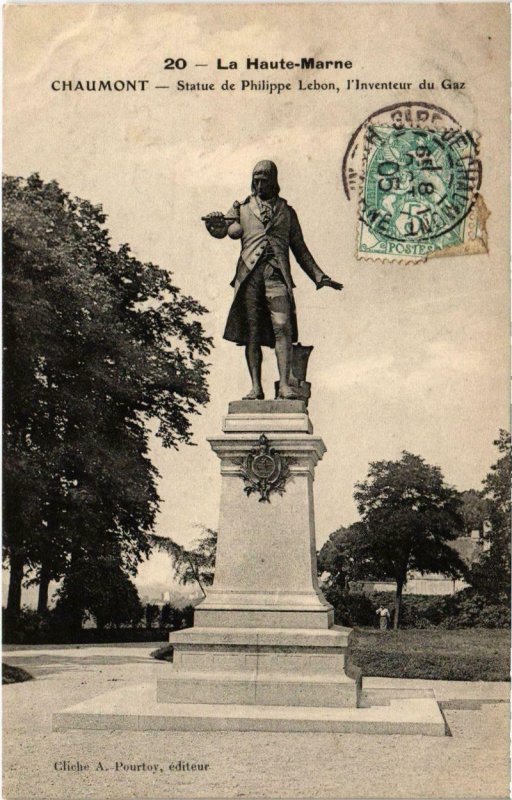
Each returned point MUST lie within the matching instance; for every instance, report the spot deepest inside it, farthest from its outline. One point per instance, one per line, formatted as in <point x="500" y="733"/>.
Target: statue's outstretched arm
<point x="305" y="259"/>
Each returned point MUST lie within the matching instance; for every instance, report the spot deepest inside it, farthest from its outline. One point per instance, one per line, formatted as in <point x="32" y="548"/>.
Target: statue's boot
<point x="287" y="393"/>
<point x="284" y="362"/>
<point x="254" y="394"/>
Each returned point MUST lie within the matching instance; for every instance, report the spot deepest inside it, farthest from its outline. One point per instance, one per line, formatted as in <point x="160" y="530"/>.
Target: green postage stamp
<point x="420" y="195"/>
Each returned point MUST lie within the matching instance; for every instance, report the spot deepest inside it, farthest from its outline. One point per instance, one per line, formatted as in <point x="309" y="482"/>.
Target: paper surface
<point x="160" y="113"/>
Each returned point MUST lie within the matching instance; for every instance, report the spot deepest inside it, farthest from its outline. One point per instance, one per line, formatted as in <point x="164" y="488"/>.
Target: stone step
<point x="135" y="708"/>
<point x="383" y="697"/>
<point x="334" y="637"/>
<point x="259" y="688"/>
<point x="267" y="423"/>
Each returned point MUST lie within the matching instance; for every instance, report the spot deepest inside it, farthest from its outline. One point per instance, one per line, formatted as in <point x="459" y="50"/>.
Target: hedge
<point x="465" y="609"/>
<point x="31" y="627"/>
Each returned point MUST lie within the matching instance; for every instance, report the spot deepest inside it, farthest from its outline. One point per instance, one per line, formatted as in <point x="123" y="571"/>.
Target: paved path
<point x="83" y="651"/>
<point x="472" y="762"/>
<point x="40" y="661"/>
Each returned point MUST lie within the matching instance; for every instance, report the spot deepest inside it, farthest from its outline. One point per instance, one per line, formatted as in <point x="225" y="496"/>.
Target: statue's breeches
<point x="262" y="310"/>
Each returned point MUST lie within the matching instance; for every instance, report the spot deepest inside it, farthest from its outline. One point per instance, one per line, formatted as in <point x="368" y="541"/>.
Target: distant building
<point x="417" y="584"/>
<point x="468" y="548"/>
<point x="176" y="599"/>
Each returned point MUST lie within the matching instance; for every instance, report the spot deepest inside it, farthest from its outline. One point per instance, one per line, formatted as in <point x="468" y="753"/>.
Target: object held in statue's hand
<point x="217" y="224"/>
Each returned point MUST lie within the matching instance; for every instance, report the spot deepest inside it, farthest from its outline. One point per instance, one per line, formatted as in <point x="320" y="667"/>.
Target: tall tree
<point x="411" y="515"/>
<point x="98" y="587"/>
<point x="491" y="574"/>
<point x="97" y="346"/>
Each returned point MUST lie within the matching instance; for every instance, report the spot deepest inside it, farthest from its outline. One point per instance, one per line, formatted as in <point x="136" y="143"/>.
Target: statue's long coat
<point x="283" y="233"/>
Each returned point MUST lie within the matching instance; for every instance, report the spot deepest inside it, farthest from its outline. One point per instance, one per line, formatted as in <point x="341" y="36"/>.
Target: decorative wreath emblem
<point x="264" y="470"/>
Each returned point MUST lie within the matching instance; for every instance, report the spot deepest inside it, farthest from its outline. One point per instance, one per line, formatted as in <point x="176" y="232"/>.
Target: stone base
<point x="261" y="666"/>
<point x="135" y="708"/>
<point x="259" y="407"/>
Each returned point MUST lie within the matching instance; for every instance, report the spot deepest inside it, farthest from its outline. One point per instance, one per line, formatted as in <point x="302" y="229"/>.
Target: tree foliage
<point x="100" y="588"/>
<point x="491" y="574"/>
<point x="152" y="612"/>
<point x="475" y="511"/>
<point x="194" y="565"/>
<point x="97" y="345"/>
<point x="410" y="515"/>
<point x="347" y="556"/>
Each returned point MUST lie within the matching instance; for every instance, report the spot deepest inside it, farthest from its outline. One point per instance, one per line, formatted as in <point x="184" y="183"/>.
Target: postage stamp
<point x="419" y="194"/>
<point x="407" y="114"/>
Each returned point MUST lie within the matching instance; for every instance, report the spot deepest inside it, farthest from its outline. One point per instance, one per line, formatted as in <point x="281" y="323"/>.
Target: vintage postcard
<point x="256" y="355"/>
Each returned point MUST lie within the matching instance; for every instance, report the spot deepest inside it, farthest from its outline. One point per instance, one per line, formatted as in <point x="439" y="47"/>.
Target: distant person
<point x="384" y="617"/>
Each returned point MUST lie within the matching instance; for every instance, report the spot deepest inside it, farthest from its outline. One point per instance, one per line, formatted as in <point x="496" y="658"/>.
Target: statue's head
<point x="264" y="180"/>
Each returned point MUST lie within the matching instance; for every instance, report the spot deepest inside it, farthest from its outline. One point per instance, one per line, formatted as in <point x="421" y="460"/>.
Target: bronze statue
<point x="263" y="310"/>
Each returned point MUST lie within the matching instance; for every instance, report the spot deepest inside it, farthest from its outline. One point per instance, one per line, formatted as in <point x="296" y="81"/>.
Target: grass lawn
<point x="467" y="654"/>
<point x="14" y="674"/>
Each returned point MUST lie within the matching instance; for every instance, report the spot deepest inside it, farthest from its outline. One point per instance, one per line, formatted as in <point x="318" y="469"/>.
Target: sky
<point x="409" y="356"/>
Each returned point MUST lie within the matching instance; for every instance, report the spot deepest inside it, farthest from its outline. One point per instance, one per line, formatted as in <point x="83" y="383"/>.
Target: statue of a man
<point x="263" y="310"/>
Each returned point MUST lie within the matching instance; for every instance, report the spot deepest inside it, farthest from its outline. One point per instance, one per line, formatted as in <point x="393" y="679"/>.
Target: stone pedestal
<point x="264" y="634"/>
<point x="263" y="654"/>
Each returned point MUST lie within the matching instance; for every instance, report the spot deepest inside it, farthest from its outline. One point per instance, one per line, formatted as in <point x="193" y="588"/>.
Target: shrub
<point x="469" y="609"/>
<point x="168" y="617"/>
<point x="351" y="609"/>
<point x="164" y="653"/>
<point x="29" y="627"/>
<point x="188" y="617"/>
<point x="12" y="674"/>
<point x="465" y="609"/>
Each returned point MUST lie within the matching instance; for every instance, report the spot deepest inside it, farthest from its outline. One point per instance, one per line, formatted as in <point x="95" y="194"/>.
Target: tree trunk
<point x="17" y="563"/>
<point x="44" y="583"/>
<point x="398" y="603"/>
<point x="74" y="618"/>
